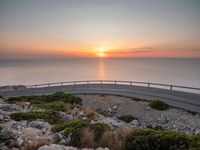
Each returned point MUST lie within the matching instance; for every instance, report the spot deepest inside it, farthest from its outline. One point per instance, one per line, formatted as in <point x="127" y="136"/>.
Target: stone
<point x="65" y="116"/>
<point x="197" y="131"/>
<point x="135" y="123"/>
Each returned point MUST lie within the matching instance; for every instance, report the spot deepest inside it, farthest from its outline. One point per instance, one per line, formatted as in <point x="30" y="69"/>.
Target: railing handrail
<point x="149" y="84"/>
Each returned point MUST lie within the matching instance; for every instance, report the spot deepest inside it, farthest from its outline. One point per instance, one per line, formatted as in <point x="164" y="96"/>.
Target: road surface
<point x="187" y="101"/>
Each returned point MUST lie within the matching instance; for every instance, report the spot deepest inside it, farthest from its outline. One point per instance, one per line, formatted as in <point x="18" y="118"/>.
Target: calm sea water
<point x="169" y="71"/>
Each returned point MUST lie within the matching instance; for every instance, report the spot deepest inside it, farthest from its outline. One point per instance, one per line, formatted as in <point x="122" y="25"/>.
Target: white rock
<point x="135" y="123"/>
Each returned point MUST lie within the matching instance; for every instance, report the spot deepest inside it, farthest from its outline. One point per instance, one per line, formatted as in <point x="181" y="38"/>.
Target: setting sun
<point x="101" y="51"/>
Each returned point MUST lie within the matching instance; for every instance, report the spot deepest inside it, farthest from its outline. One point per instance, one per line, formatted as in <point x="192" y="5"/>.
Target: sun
<point x="101" y="51"/>
<point x="101" y="54"/>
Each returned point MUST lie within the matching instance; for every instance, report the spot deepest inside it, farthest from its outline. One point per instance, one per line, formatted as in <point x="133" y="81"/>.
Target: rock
<point x="112" y="110"/>
<point x="10" y="108"/>
<point x="12" y="88"/>
<point x="57" y="147"/>
<point x="65" y="138"/>
<point x="114" y="124"/>
<point x="135" y="123"/>
<point x="81" y="115"/>
<point x="197" y="131"/>
<point x="65" y="116"/>
<point x="61" y="147"/>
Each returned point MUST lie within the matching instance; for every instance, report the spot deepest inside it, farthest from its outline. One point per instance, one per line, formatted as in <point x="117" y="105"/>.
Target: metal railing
<point x="115" y="82"/>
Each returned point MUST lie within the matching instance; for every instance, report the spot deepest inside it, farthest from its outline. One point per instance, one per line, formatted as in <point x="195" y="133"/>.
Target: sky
<point x="99" y="28"/>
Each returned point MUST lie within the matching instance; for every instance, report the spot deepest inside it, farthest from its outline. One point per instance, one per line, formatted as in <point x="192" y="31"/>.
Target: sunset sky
<point x="99" y="28"/>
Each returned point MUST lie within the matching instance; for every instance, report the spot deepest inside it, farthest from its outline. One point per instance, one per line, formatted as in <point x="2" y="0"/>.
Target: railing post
<point x="87" y="82"/>
<point x="61" y="83"/>
<point x="35" y="86"/>
<point x="115" y="82"/>
<point x="48" y="84"/>
<point x="148" y="84"/>
<point x="171" y="87"/>
<point x="74" y="82"/>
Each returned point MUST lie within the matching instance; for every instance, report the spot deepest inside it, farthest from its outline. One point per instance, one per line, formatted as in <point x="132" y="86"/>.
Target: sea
<point x="176" y="71"/>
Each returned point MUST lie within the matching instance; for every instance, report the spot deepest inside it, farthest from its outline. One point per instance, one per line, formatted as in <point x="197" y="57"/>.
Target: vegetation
<point x="194" y="141"/>
<point x="90" y="113"/>
<point x="1" y="127"/>
<point x="102" y="112"/>
<point x="155" y="140"/>
<point x="41" y="99"/>
<point x="70" y="125"/>
<point x="127" y="118"/>
<point x="159" y="105"/>
<point x="49" y="116"/>
<point x="98" y="129"/>
<point x="55" y="106"/>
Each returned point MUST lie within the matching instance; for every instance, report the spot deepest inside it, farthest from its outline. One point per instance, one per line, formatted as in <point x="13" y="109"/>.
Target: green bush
<point x="159" y="105"/>
<point x="1" y="127"/>
<point x="194" y="141"/>
<point x="55" y="106"/>
<point x="50" y="116"/>
<point x="99" y="129"/>
<point x="146" y="139"/>
<point x="102" y="112"/>
<point x="127" y="118"/>
<point x="40" y="99"/>
<point x="70" y="125"/>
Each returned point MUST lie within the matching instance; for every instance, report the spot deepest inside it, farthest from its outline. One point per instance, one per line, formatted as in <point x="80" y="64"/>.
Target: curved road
<point x="188" y="101"/>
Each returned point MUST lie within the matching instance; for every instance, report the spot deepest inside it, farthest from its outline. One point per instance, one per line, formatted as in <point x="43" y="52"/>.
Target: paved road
<point x="188" y="101"/>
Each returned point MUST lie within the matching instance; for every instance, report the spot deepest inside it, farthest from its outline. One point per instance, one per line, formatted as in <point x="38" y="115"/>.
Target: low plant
<point x="1" y="127"/>
<point x="111" y="140"/>
<point x="194" y="141"/>
<point x="99" y="129"/>
<point x="142" y="139"/>
<point x="87" y="138"/>
<point x="102" y="112"/>
<point x="90" y="113"/>
<point x="70" y="125"/>
<point x="159" y="105"/>
<point x="127" y="118"/>
<point x="55" y="106"/>
<point x="40" y="99"/>
<point x="50" y="116"/>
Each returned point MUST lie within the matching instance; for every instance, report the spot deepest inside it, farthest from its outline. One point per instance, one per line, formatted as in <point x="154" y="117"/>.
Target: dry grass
<point x="111" y="140"/>
<point x="87" y="139"/>
<point x="35" y="144"/>
<point x="91" y="113"/>
<point x="21" y="103"/>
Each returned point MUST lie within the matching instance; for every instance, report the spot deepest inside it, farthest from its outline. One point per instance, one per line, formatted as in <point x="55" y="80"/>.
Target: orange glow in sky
<point x="99" y="29"/>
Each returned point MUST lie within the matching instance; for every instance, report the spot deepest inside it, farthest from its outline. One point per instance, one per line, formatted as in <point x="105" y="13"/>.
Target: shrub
<point x="127" y="118"/>
<point x="40" y="99"/>
<point x="50" y="116"/>
<point x="70" y="125"/>
<point x="102" y="112"/>
<point x="87" y="138"/>
<point x="159" y="105"/>
<point x="1" y="127"/>
<point x="142" y="139"/>
<point x="194" y="141"/>
<point x="99" y="129"/>
<point x="90" y="113"/>
<point x="55" y="106"/>
<point x="111" y="140"/>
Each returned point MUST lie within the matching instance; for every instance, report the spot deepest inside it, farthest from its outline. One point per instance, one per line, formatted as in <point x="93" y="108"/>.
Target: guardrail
<point x="115" y="82"/>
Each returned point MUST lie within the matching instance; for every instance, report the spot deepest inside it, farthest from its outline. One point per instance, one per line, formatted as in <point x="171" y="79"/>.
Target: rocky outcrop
<point x="25" y="134"/>
<point x="61" y="147"/>
<point x="12" y="88"/>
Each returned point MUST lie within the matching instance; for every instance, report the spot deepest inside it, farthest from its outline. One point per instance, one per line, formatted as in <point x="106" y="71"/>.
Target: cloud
<point x="132" y="50"/>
